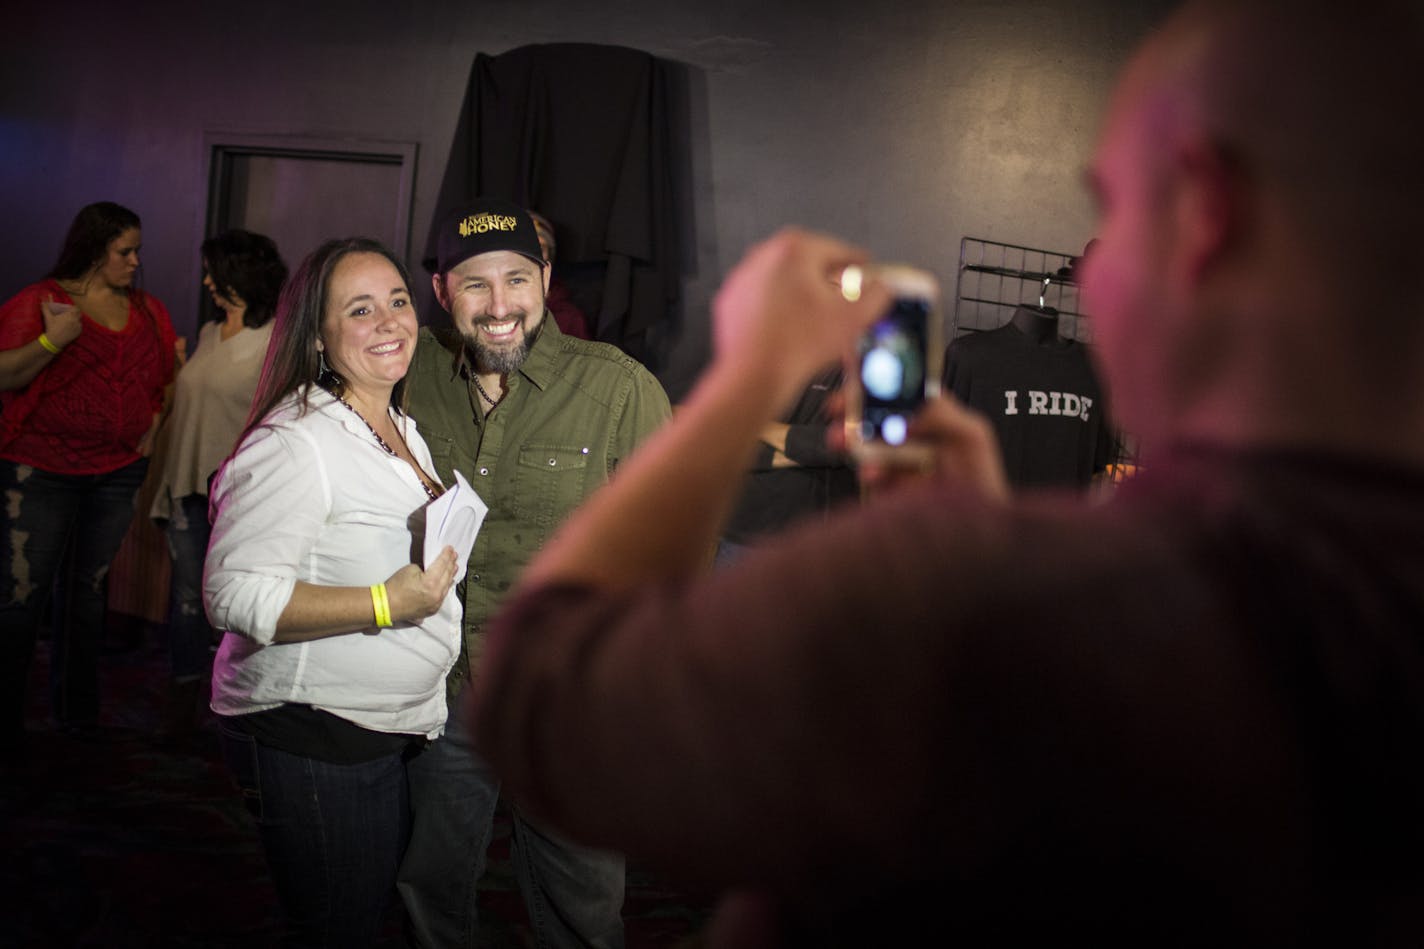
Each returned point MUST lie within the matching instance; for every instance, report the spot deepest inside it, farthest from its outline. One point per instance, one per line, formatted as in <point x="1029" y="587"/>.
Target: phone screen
<point x="893" y="371"/>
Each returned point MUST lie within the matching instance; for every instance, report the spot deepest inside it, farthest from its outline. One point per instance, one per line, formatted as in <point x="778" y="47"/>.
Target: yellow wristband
<point x="48" y="343"/>
<point x="381" y="604"/>
<point x="385" y="607"/>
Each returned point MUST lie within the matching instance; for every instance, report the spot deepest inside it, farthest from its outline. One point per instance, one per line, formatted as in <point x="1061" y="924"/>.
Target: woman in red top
<point x="85" y="357"/>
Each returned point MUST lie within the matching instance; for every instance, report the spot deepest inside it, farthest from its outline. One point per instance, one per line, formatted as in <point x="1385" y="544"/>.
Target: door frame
<point x="222" y="148"/>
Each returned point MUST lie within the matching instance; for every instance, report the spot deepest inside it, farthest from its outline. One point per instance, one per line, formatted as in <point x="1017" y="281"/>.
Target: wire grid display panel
<point x="994" y="278"/>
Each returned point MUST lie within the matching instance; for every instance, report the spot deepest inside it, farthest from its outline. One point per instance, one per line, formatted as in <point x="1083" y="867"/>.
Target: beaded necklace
<point x="429" y="491"/>
<point x="483" y="394"/>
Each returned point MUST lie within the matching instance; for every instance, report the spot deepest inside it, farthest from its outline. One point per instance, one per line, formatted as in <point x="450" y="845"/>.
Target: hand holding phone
<point x="894" y="369"/>
<point x="962" y="447"/>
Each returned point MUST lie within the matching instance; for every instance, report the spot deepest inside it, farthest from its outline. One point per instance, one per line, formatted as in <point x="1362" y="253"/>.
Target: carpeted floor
<point x="121" y="840"/>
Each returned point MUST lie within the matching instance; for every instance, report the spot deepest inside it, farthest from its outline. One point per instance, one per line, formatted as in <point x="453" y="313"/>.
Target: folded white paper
<point x="454" y="518"/>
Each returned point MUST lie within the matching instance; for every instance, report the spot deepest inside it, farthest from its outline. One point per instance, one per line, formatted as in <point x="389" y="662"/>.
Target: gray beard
<point x="502" y="361"/>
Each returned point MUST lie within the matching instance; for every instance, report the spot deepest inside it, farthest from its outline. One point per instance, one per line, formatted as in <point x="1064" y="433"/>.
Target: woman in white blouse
<point x="243" y="272"/>
<point x="336" y="645"/>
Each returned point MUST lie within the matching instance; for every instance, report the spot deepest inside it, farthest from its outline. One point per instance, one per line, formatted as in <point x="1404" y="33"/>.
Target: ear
<point x="548" y="269"/>
<point x="437" y="283"/>
<point x="320" y="346"/>
<point x="1208" y="208"/>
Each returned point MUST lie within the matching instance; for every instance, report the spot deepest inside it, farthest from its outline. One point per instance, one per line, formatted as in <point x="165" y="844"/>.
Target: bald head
<point x="1316" y="103"/>
<point x="1259" y="177"/>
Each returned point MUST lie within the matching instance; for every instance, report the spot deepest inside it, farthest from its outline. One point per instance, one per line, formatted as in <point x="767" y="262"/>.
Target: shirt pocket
<point x="549" y="482"/>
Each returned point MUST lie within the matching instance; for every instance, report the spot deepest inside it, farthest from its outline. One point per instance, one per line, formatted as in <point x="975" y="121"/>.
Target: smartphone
<point x="895" y="367"/>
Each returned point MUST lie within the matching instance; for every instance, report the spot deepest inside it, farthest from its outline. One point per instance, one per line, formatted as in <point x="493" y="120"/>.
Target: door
<point x="299" y="192"/>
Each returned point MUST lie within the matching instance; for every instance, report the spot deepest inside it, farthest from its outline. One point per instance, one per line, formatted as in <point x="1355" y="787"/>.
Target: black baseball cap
<point x="484" y="225"/>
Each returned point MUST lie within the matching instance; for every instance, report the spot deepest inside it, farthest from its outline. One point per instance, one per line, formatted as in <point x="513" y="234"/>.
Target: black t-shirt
<point x="1043" y="400"/>
<point x="774" y="498"/>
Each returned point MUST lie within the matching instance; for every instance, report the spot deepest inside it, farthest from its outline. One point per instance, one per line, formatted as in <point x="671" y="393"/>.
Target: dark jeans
<point x="189" y="636"/>
<point x="58" y="534"/>
<point x="333" y="835"/>
<point x="574" y="895"/>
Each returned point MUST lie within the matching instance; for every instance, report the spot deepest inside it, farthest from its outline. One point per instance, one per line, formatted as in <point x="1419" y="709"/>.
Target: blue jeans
<point x="57" y="535"/>
<point x="189" y="636"/>
<point x="333" y="835"/>
<point x="574" y="895"/>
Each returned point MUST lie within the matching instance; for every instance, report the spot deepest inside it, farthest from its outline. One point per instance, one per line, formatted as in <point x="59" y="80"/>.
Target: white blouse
<point x="314" y="497"/>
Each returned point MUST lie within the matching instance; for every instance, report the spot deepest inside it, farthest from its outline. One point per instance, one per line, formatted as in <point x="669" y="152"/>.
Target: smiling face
<point x="368" y="326"/>
<point x="120" y="261"/>
<point x="497" y="303"/>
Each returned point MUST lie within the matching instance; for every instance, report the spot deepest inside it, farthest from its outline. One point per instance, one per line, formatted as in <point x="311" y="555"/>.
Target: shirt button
<point x="584" y="450"/>
<point x="552" y="462"/>
<point x="475" y="578"/>
<point x="484" y="471"/>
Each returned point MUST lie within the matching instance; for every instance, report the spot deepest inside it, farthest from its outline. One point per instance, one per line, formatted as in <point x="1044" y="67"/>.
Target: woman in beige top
<point x="244" y="274"/>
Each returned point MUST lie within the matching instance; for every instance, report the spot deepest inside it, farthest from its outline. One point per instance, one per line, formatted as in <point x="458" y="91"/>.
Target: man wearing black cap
<point x="535" y="420"/>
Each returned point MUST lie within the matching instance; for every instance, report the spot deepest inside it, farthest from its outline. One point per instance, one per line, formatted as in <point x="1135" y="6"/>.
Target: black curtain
<point x="583" y="134"/>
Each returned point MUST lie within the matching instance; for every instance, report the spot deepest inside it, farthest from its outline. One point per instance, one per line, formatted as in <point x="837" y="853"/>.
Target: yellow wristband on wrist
<point x="381" y="604"/>
<point x="48" y="344"/>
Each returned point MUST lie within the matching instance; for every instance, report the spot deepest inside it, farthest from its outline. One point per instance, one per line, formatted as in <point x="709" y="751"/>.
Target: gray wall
<point x="902" y="125"/>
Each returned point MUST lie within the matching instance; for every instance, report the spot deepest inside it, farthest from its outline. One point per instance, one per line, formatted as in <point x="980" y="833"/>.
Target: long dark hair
<point x="249" y="264"/>
<point x="87" y="243"/>
<point x="292" y="361"/>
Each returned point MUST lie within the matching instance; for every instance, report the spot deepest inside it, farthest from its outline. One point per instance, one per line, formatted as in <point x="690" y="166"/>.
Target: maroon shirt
<point x="1193" y="715"/>
<point x="567" y="315"/>
<point x="88" y="409"/>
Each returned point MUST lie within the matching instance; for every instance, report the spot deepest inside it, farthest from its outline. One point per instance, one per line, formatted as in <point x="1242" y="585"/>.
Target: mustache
<point x="517" y="315"/>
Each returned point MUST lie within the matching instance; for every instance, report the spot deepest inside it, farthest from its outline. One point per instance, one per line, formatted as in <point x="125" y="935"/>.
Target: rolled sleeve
<point x="270" y="503"/>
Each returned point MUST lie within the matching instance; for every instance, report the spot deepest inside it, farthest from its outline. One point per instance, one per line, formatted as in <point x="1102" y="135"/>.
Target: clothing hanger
<point x="1043" y="307"/>
<point x="1039" y="323"/>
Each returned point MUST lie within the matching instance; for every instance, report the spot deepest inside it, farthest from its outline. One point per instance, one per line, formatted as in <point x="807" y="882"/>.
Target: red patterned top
<point x="86" y="411"/>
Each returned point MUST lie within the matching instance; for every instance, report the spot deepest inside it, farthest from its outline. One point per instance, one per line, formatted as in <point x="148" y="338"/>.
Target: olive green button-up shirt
<point x="569" y="415"/>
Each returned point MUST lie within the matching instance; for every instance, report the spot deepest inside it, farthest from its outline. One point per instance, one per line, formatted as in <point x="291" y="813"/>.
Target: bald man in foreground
<point x="1193" y="715"/>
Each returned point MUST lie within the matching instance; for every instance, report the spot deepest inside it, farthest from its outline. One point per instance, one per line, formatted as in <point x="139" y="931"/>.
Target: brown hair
<point x="249" y="264"/>
<point x="293" y="362"/>
<point x="87" y="241"/>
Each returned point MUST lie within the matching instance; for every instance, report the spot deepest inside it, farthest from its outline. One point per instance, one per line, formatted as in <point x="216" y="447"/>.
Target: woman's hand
<point x="62" y="322"/>
<point x="149" y="441"/>
<point x="415" y="594"/>
<point x="20" y="365"/>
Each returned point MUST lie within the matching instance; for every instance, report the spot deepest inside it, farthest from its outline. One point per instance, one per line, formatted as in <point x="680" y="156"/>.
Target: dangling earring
<point x="327" y="378"/>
